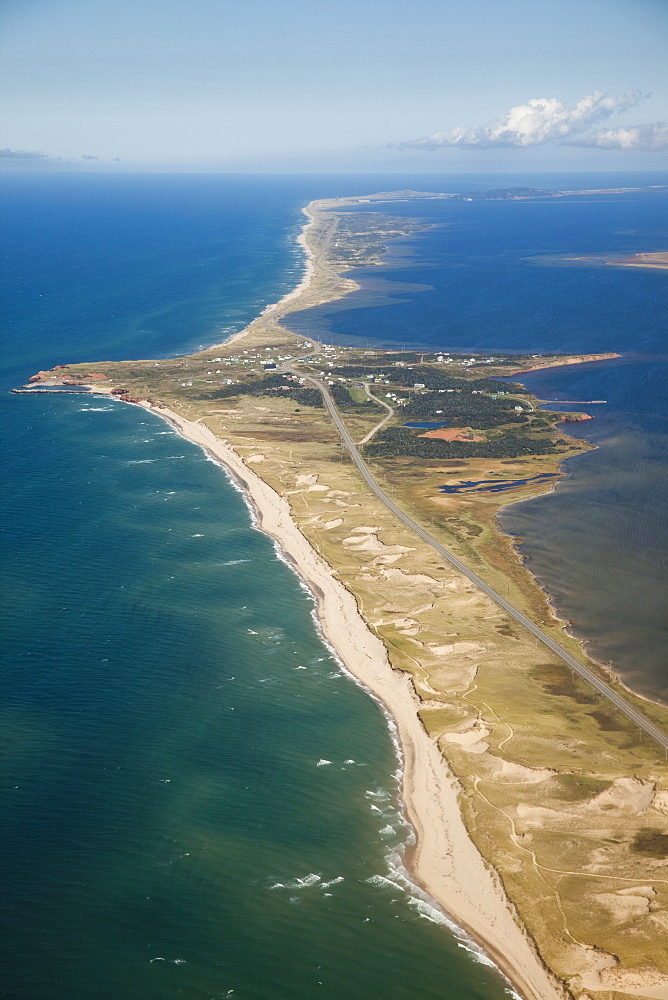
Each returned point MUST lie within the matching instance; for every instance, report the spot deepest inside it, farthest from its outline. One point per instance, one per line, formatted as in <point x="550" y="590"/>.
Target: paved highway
<point x="604" y="689"/>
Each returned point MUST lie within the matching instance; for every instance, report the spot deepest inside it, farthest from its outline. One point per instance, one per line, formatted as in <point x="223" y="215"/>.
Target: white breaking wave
<point x="428" y="908"/>
<point x="334" y="881"/>
<point x="298" y="883"/>
<point x="404" y="883"/>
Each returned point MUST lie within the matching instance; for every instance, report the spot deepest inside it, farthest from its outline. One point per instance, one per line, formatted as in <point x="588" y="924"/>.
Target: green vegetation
<point x="466" y="409"/>
<point x="361" y="237"/>
<point x="653" y="843"/>
<point x="402" y="441"/>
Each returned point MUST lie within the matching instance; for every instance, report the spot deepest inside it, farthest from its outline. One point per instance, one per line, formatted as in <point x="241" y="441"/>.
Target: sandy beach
<point x="444" y="861"/>
<point x="276" y="308"/>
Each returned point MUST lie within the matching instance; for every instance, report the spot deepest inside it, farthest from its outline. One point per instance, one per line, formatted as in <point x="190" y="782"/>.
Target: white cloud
<point x="649" y="138"/>
<point x="548" y="120"/>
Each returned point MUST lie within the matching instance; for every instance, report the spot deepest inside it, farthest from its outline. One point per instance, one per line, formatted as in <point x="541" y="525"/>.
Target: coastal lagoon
<point x="201" y="803"/>
<point x="494" y="276"/>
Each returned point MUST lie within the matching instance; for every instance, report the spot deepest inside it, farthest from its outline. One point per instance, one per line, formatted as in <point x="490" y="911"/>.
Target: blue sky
<point x="397" y="85"/>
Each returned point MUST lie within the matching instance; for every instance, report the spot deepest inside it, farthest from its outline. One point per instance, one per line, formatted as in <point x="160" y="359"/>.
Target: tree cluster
<point x="401" y="441"/>
<point x="465" y="410"/>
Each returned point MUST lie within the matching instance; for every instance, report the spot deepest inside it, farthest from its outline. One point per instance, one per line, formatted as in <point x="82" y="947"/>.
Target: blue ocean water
<point x="499" y="276"/>
<point x="491" y="275"/>
<point x="197" y="802"/>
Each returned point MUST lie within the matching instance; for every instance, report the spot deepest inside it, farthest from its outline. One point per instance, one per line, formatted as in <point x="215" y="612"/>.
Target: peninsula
<point x="538" y="789"/>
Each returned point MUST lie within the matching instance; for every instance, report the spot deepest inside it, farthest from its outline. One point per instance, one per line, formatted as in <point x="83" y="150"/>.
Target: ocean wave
<point x="298" y="883"/>
<point x="334" y="881"/>
<point x="429" y="909"/>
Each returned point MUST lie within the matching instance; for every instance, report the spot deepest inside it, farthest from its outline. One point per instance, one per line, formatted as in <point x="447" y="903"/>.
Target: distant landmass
<point x="506" y="194"/>
<point x="522" y="193"/>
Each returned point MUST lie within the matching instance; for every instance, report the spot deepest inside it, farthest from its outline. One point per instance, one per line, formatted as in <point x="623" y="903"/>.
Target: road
<point x="390" y="414"/>
<point x="599" y="685"/>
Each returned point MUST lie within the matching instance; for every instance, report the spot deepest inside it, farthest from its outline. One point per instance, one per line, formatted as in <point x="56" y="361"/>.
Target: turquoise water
<point x="197" y="802"/>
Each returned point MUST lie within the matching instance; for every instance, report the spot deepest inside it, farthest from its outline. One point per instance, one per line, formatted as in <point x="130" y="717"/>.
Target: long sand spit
<point x="444" y="861"/>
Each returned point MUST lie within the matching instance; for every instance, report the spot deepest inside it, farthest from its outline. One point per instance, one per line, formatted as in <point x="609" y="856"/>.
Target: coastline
<point x="444" y="860"/>
<point x="295" y="293"/>
<point x="314" y="268"/>
<point x="566" y="624"/>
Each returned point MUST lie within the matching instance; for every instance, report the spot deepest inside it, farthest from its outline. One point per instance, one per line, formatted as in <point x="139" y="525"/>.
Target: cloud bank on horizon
<point x="545" y="120"/>
<point x="21" y="154"/>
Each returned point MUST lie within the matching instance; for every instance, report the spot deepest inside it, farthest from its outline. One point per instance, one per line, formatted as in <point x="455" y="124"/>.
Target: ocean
<point x="198" y="802"/>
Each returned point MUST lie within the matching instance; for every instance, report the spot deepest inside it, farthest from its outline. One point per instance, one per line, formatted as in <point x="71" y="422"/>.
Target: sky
<point x="411" y="86"/>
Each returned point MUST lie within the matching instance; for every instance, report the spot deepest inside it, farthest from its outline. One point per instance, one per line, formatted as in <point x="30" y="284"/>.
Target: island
<point x="536" y="784"/>
<point x="658" y="260"/>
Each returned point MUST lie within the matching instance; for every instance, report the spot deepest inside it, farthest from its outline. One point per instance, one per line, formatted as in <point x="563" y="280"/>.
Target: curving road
<point x="390" y="414"/>
<point x="599" y="685"/>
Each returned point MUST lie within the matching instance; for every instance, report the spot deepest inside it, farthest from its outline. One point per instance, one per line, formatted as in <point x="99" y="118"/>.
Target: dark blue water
<point x="427" y="424"/>
<point x="492" y="276"/>
<point x="493" y="485"/>
<point x="197" y="803"/>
